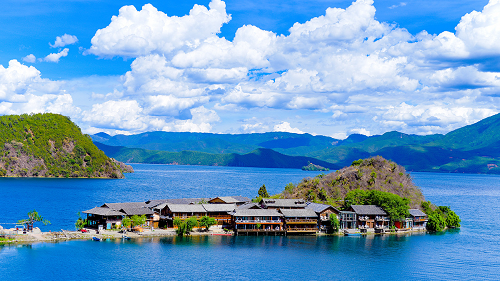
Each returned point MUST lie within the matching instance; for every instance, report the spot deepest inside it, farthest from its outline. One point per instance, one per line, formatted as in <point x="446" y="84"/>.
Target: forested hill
<point x="471" y="149"/>
<point x="50" y="145"/>
<point x="374" y="173"/>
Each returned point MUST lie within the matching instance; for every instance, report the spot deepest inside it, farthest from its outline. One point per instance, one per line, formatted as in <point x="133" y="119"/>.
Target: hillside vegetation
<point x="471" y="149"/>
<point x="50" y="145"/>
<point x="264" y="158"/>
<point x="374" y="173"/>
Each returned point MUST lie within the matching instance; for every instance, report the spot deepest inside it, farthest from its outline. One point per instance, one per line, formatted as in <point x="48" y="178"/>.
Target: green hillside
<point x="50" y="145"/>
<point x="471" y="149"/>
<point x="264" y="158"/>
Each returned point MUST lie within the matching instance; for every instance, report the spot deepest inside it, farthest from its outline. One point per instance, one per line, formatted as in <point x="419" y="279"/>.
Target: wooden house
<point x="151" y="219"/>
<point x="323" y="212"/>
<point x="300" y="221"/>
<point x="169" y="212"/>
<point x="220" y="212"/>
<point x="105" y="217"/>
<point x="370" y="218"/>
<point x="419" y="219"/>
<point x="280" y="204"/>
<point x="257" y="221"/>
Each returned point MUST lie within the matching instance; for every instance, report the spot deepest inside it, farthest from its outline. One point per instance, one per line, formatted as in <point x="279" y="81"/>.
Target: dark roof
<point x="416" y="213"/>
<point x="233" y="199"/>
<point x="183" y="201"/>
<point x="103" y="211"/>
<point x="283" y="203"/>
<point x="318" y="208"/>
<point x="125" y="205"/>
<point x="137" y="211"/>
<point x="368" y="210"/>
<point x="257" y="213"/>
<point x="219" y="207"/>
<point x="299" y="213"/>
<point x="249" y="205"/>
<point x="154" y="203"/>
<point x="186" y="208"/>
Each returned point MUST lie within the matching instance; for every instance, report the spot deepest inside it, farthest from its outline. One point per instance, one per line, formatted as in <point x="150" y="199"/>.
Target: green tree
<point x="126" y="222"/>
<point x="181" y="226"/>
<point x="33" y="217"/>
<point x="334" y="221"/>
<point x="80" y="223"/>
<point x="452" y="220"/>
<point x="356" y="197"/>
<point x="191" y="223"/>
<point x="436" y="222"/>
<point x="138" y="220"/>
<point x="263" y="192"/>
<point x="207" y="222"/>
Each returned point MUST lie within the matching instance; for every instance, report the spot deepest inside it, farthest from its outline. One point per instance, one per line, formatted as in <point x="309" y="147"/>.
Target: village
<point x="265" y="217"/>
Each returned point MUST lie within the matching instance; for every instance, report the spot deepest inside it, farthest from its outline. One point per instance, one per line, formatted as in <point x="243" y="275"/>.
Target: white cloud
<point x="401" y="4"/>
<point x="54" y="57"/>
<point x="30" y="58"/>
<point x="64" y="40"/>
<point x="285" y="127"/>
<point x="134" y="33"/>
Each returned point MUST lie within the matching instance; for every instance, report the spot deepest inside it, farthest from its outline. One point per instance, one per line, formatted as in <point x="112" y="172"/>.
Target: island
<point x="313" y="167"/>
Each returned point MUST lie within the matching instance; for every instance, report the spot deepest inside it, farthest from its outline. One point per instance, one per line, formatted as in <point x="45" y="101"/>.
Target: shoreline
<point x="40" y="237"/>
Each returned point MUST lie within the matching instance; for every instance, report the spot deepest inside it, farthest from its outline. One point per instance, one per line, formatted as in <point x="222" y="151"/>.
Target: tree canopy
<point x="33" y="217"/>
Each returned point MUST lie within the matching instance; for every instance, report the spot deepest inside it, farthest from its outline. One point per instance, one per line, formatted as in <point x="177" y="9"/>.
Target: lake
<point x="473" y="252"/>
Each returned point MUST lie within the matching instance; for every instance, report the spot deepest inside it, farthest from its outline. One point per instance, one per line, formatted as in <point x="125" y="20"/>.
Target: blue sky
<point x="322" y="67"/>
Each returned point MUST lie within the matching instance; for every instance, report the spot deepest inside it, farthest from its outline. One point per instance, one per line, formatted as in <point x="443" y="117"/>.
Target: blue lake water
<point x="473" y="252"/>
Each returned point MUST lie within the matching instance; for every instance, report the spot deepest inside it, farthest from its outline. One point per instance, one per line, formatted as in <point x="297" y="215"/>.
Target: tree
<point x="263" y="192"/>
<point x="126" y="222"/>
<point x="436" y="222"/>
<point x="184" y="227"/>
<point x="334" y="221"/>
<point x="80" y="223"/>
<point x="452" y="220"/>
<point x="33" y="217"/>
<point x="207" y="222"/>
<point x="191" y="223"/>
<point x="138" y="220"/>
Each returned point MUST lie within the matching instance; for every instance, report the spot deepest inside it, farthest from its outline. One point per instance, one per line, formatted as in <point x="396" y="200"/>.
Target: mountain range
<point x="471" y="149"/>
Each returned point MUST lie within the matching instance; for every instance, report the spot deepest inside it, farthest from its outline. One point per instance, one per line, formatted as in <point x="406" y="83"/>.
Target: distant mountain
<point x="261" y="157"/>
<point x="471" y="149"/>
<point x="50" y="145"/>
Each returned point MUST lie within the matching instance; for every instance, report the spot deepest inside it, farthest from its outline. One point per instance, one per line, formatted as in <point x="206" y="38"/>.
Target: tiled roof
<point x="257" y="213"/>
<point x="284" y="203"/>
<point x="137" y="211"/>
<point x="417" y="213"/>
<point x="233" y="199"/>
<point x="249" y="205"/>
<point x="103" y="211"/>
<point x="368" y="210"/>
<point x="318" y="208"/>
<point x="299" y="213"/>
<point x="219" y="207"/>
<point x="126" y="205"/>
<point x="186" y="208"/>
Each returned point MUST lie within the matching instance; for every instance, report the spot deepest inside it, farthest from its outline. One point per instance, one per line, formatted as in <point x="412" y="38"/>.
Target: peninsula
<point x="50" y="145"/>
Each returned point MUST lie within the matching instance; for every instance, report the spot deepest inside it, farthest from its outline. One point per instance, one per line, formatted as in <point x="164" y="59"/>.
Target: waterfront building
<point x="323" y="212"/>
<point x="347" y="220"/>
<point x="257" y="221"/>
<point x="300" y="221"/>
<point x="419" y="219"/>
<point x="104" y="218"/>
<point x="220" y="212"/>
<point x="370" y="218"/>
<point x="168" y="212"/>
<point x="238" y="200"/>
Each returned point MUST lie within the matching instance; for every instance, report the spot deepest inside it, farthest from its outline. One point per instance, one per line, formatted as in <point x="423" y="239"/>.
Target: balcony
<point x="379" y="218"/>
<point x="308" y="221"/>
<point x="257" y="221"/>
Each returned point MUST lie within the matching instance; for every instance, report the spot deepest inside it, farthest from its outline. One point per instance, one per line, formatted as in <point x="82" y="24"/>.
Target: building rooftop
<point x="284" y="203"/>
<point x="103" y="211"/>
<point x="126" y="205"/>
<point x="219" y="207"/>
<point x="318" y="208"/>
<point x="417" y="213"/>
<point x="256" y="213"/>
<point x="299" y="213"/>
<point x="137" y="211"/>
<point x="368" y="210"/>
<point x="186" y="208"/>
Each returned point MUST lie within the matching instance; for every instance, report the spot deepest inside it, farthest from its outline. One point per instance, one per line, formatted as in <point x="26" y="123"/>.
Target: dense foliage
<point x="185" y="226"/>
<point x="395" y="206"/>
<point x="33" y="217"/>
<point x="50" y="145"/>
<point x="440" y="218"/>
<point x="80" y="223"/>
<point x="363" y="175"/>
<point x="207" y="222"/>
<point x="334" y="222"/>
<point x="313" y="167"/>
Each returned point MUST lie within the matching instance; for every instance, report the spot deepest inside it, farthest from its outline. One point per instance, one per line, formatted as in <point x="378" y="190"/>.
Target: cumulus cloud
<point x="362" y="75"/>
<point x="133" y="33"/>
<point x="54" y="57"/>
<point x="285" y="127"/>
<point x="64" y="40"/>
<point x="30" y="58"/>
